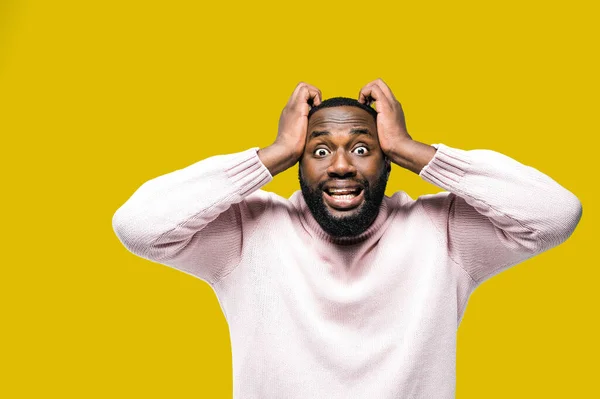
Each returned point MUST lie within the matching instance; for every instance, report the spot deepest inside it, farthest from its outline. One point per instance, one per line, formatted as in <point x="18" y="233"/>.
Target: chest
<point x="303" y="317"/>
<point x="370" y="289"/>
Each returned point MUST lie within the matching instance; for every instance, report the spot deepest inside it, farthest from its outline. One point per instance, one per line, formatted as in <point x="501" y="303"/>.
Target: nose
<point x="341" y="166"/>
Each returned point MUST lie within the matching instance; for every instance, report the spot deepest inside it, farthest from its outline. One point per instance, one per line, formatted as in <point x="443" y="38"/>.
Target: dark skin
<point x="342" y="144"/>
<point x="393" y="139"/>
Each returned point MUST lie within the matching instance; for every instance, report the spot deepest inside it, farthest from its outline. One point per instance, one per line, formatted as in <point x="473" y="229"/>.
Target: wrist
<point x="276" y="158"/>
<point x="412" y="155"/>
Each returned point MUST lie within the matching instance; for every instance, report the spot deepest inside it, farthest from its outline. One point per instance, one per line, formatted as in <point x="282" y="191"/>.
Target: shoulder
<point x="435" y="201"/>
<point x="401" y="200"/>
<point x="433" y="207"/>
<point x="261" y="202"/>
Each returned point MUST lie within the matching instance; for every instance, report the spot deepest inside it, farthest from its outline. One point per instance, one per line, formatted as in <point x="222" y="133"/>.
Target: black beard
<point x="346" y="226"/>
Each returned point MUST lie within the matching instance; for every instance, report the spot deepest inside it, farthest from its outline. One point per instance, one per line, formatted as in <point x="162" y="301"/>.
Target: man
<point x="341" y="291"/>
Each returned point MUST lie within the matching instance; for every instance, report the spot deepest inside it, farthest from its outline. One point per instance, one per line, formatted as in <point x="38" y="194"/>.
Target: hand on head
<point x="293" y="122"/>
<point x="289" y="145"/>
<point x="391" y="125"/>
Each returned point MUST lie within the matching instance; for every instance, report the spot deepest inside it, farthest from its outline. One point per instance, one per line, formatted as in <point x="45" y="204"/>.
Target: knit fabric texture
<point x="371" y="316"/>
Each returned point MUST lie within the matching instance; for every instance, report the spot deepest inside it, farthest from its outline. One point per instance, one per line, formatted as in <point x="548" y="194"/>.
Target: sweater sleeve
<point x="496" y="212"/>
<point x="193" y="219"/>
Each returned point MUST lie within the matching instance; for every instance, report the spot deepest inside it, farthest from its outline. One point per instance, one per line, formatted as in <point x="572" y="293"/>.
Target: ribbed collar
<point x="313" y="227"/>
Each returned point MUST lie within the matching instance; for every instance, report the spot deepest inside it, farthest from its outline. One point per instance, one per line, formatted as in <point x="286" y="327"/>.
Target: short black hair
<point x="341" y="101"/>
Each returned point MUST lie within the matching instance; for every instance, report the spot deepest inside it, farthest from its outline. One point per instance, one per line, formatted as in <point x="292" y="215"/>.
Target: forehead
<point x="342" y="117"/>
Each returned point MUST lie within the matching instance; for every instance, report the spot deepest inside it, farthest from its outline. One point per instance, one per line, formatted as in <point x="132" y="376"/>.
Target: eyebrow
<point x="317" y="133"/>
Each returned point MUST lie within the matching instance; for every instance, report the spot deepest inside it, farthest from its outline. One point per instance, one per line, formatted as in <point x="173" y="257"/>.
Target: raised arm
<point x="496" y="212"/>
<point x="193" y="219"/>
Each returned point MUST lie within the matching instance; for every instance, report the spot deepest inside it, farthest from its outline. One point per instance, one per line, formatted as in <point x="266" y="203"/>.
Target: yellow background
<point x="96" y="97"/>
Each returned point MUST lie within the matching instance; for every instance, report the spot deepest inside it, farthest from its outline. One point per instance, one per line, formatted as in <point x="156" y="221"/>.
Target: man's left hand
<point x="391" y="126"/>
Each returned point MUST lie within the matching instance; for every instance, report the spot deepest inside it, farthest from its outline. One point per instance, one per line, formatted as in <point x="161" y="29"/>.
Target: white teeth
<point x="341" y="191"/>
<point x="343" y="197"/>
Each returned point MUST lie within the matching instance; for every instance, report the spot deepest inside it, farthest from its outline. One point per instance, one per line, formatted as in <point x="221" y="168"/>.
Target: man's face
<point x="343" y="172"/>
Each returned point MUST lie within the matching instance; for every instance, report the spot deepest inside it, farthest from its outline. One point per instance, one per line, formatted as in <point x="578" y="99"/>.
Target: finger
<point x="385" y="89"/>
<point x="297" y="91"/>
<point x="314" y="95"/>
<point x="299" y="86"/>
<point x="374" y="92"/>
<point x="307" y="97"/>
<point x="362" y="97"/>
<point x="387" y="92"/>
<point x="365" y="96"/>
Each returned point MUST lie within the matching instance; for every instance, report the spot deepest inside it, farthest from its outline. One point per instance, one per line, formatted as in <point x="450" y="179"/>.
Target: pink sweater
<point x="374" y="316"/>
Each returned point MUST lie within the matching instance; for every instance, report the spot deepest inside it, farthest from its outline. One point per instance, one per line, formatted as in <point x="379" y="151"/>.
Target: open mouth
<point x="343" y="198"/>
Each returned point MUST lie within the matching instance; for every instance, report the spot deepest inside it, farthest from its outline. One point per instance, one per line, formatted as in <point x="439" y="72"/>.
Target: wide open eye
<point x="321" y="152"/>
<point x="362" y="150"/>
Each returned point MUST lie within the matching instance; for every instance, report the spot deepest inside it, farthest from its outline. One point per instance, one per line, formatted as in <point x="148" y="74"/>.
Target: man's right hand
<point x="291" y="136"/>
